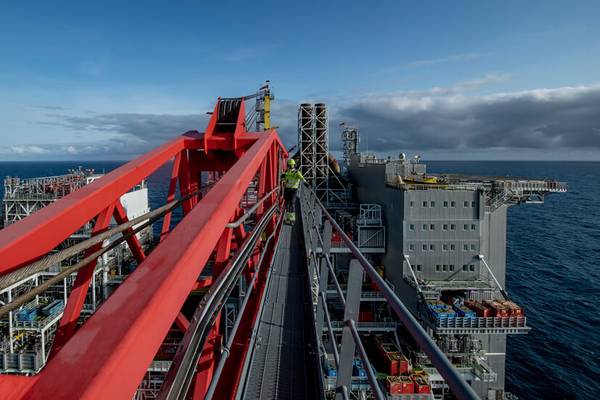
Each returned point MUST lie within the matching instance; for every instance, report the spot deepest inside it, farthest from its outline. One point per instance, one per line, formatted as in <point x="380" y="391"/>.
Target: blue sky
<point x="450" y="80"/>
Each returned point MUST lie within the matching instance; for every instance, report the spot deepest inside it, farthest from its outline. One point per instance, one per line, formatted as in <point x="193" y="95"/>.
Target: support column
<point x="344" y="374"/>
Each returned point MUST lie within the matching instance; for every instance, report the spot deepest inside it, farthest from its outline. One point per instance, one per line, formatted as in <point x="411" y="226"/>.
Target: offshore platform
<point x="391" y="285"/>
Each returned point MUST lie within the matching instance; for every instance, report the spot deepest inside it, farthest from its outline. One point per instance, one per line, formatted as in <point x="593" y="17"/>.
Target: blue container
<point x="358" y="369"/>
<point x="27" y="315"/>
<point x="52" y="308"/>
<point x="464" y="311"/>
<point x="329" y="370"/>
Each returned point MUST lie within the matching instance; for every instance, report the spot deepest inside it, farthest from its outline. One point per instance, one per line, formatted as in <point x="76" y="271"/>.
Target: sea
<point x="553" y="270"/>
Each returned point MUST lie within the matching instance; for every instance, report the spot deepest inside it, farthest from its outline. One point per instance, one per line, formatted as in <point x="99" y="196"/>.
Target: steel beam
<point x="119" y="341"/>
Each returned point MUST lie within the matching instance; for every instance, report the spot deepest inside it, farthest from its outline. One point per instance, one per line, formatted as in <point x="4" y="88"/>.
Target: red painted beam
<point x="36" y="235"/>
<point x="68" y="322"/>
<point x="110" y="353"/>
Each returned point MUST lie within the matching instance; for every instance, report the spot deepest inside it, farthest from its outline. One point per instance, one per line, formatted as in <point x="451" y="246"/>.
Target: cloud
<point x="454" y="58"/>
<point x="27" y="149"/>
<point x="144" y="127"/>
<point x="452" y="122"/>
<point x="114" y="136"/>
<point x="558" y="118"/>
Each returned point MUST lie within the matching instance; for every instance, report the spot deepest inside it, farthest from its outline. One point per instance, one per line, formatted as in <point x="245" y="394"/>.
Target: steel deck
<point x="280" y="364"/>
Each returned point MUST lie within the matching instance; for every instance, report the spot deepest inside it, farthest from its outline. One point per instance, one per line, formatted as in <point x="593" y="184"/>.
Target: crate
<point x="399" y="385"/>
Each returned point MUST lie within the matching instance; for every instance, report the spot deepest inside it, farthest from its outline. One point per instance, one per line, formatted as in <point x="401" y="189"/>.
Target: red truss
<point x="107" y="357"/>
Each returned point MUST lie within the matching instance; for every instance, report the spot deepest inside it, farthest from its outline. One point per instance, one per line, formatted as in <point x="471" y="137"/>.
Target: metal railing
<point x="459" y="387"/>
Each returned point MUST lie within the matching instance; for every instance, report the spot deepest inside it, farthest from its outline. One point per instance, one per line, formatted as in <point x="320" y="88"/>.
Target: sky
<point x="459" y="80"/>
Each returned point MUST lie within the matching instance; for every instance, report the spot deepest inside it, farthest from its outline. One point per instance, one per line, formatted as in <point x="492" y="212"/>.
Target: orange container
<point x="400" y="385"/>
<point x="420" y="384"/>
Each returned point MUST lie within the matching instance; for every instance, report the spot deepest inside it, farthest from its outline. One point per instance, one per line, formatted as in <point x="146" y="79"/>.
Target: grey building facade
<point x="446" y="237"/>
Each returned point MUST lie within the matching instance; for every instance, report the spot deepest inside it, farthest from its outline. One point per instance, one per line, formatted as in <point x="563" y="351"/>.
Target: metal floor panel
<point x="281" y="365"/>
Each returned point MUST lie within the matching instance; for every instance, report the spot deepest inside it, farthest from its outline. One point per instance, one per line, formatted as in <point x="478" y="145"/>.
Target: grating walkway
<point x="282" y="364"/>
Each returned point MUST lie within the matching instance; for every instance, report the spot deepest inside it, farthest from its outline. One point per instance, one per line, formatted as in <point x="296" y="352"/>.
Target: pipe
<point x="180" y="376"/>
<point x="249" y="212"/>
<point x="336" y="353"/>
<point x="482" y="258"/>
<point x="52" y="259"/>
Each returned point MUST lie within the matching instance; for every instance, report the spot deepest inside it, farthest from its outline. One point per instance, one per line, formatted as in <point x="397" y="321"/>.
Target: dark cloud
<point x="441" y="119"/>
<point x="145" y="127"/>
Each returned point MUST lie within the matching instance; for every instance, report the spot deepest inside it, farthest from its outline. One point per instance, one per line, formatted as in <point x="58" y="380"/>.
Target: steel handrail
<point x="226" y="349"/>
<point x="178" y="381"/>
<point x="459" y="387"/>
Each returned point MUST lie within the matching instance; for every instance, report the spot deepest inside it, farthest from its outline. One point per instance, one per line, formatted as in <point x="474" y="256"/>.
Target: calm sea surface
<point x="553" y="270"/>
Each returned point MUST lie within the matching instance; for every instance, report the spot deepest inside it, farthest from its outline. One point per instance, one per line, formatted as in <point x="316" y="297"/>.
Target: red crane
<point x="107" y="356"/>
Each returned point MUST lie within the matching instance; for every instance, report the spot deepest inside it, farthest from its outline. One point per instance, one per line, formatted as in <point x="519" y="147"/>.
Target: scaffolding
<point x="315" y="160"/>
<point x="350" y="142"/>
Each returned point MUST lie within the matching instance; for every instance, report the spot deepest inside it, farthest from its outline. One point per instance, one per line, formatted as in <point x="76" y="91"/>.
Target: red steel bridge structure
<point x="109" y="354"/>
<point x="222" y="229"/>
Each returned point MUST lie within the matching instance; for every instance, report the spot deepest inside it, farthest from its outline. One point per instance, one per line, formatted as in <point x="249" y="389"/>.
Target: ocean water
<point x="553" y="270"/>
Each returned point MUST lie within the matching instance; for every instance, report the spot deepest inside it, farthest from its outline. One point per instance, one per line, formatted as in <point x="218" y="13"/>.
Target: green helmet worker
<point x="291" y="179"/>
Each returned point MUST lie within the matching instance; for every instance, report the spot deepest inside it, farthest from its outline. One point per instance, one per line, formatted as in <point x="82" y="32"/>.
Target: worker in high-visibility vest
<point x="291" y="179"/>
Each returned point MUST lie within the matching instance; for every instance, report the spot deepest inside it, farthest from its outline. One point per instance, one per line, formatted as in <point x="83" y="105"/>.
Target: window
<point x="445" y="227"/>
<point x="452" y="204"/>
<point x="452" y="247"/>
<point x="451" y="267"/>
<point x="432" y="204"/>
<point x="411" y="227"/>
<point x="432" y="227"/>
<point x="466" y="204"/>
<point x="418" y="267"/>
<point x="424" y="226"/>
<point x="452" y="227"/>
<point x="464" y="267"/>
<point x="424" y="247"/>
<point x="412" y="203"/>
<point x="473" y="246"/>
<point x="444" y="267"/>
<point x="473" y="204"/>
<point x="471" y="267"/>
<point x="411" y="247"/>
<point x="466" y="227"/>
<point x="473" y="227"/>
<point x="445" y="247"/>
<point x="465" y="247"/>
<point x="445" y="204"/>
<point x="432" y="247"/>
<point x="424" y="204"/>
<point x="437" y="268"/>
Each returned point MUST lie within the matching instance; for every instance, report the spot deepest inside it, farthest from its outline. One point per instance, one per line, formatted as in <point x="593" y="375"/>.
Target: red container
<point x="515" y="310"/>
<point x="500" y="309"/>
<point x="399" y="385"/>
<point x="482" y="310"/>
<point x="391" y="364"/>
<point x="420" y="384"/>
<point x="365" y="316"/>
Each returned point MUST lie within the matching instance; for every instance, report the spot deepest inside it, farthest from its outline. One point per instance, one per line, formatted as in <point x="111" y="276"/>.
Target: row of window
<point x="445" y="203"/>
<point x="445" y="227"/>
<point x="448" y="267"/>
<point x="445" y="247"/>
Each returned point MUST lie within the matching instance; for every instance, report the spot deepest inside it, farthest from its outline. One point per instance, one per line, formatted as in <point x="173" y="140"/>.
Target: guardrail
<point x="459" y="387"/>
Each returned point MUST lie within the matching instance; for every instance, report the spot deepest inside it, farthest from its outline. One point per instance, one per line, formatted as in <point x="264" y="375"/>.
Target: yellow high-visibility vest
<point x="292" y="178"/>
